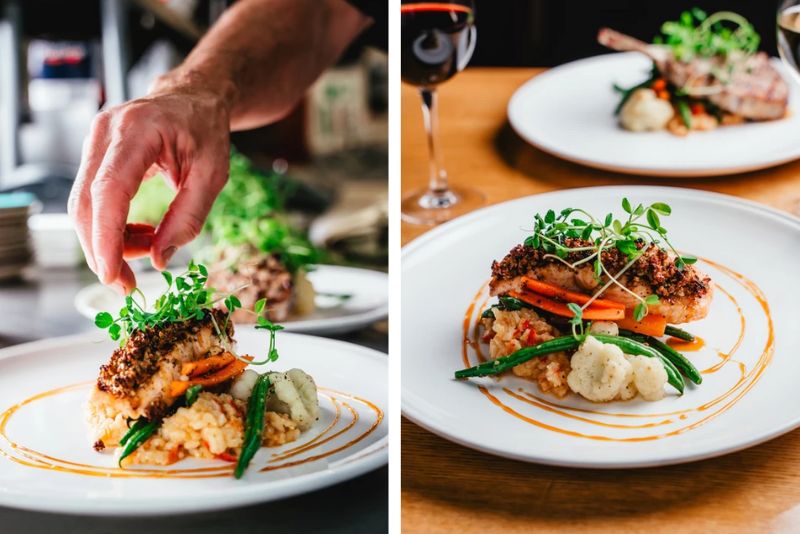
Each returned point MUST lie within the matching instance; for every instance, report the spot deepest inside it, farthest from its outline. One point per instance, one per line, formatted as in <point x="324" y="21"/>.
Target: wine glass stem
<point x="438" y="176"/>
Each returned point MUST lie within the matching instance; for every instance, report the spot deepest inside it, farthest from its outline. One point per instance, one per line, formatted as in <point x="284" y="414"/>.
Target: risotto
<point x="510" y="330"/>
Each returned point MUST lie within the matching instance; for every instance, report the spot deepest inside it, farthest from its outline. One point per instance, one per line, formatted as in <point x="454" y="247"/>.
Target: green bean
<point x="191" y="394"/>
<point x="679" y="360"/>
<point x="674" y="377"/>
<point x="138" y="424"/>
<point x="511" y="303"/>
<point x="685" y="112"/>
<point x="676" y="332"/>
<point x="139" y="437"/>
<point x="499" y="365"/>
<point x="142" y="429"/>
<point x="628" y="346"/>
<point x="631" y="346"/>
<point x="254" y="424"/>
<point x="488" y="313"/>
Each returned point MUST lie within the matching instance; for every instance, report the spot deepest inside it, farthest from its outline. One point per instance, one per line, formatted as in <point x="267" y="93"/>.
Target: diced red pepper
<point x="659" y="85"/>
<point x="226" y="457"/>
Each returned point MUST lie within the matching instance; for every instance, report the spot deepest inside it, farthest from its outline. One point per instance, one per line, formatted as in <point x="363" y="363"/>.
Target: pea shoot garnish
<point x="697" y="34"/>
<point x="186" y="297"/>
<point x="631" y="235"/>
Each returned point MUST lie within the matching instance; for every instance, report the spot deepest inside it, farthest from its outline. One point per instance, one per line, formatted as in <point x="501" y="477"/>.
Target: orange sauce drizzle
<point x="315" y="442"/>
<point x="378" y="419"/>
<point x="686" y="346"/>
<point x="726" y="356"/>
<point x="726" y="399"/>
<point x="32" y="458"/>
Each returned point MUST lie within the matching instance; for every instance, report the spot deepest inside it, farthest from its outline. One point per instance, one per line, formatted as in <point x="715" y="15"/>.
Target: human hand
<point x="182" y="133"/>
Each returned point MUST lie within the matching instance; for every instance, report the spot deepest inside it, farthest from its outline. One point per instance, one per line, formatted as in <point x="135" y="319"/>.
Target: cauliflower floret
<point x="602" y="373"/>
<point x="644" y="111"/>
<point x="304" y="294"/>
<point x="649" y="377"/>
<point x="242" y="387"/>
<point x="599" y="371"/>
<point x="604" y="327"/>
<point x="294" y="393"/>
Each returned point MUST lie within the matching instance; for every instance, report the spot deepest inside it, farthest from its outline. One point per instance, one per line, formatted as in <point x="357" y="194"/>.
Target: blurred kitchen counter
<point x="42" y="306"/>
<point x="448" y="487"/>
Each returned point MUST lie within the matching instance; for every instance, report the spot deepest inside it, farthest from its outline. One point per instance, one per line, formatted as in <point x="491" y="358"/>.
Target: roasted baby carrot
<point x="559" y="308"/>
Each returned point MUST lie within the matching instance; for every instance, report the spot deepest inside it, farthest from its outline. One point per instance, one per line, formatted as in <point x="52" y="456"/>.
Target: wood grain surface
<point x="446" y="487"/>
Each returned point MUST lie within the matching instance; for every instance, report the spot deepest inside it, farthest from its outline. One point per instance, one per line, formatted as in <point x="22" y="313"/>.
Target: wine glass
<point x="437" y="41"/>
<point x="789" y="33"/>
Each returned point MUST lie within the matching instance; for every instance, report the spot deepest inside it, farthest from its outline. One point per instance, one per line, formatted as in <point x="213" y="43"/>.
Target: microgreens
<point x="186" y="297"/>
<point x="631" y="235"/>
<point x="578" y="328"/>
<point x="697" y="34"/>
<point x="250" y="212"/>
<point x="262" y="323"/>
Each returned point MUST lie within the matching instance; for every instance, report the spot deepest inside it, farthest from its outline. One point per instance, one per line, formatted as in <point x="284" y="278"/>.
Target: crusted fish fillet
<point x="135" y="382"/>
<point x="685" y="295"/>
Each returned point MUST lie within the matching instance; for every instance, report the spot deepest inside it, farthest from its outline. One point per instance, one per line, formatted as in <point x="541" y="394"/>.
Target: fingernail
<point x="167" y="254"/>
<point x="102" y="270"/>
<point x="119" y="288"/>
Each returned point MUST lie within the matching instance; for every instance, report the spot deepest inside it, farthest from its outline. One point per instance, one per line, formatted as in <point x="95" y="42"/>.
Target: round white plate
<point x="44" y="384"/>
<point x="569" y="112"/>
<point x="368" y="302"/>
<point x="748" y="249"/>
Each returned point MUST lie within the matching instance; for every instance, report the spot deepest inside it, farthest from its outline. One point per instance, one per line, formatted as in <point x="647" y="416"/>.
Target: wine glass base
<point x="427" y="207"/>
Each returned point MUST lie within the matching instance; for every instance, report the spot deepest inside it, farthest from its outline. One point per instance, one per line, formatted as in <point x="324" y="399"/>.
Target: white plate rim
<point x="329" y="325"/>
<point x="416" y="414"/>
<point x="363" y="462"/>
<point x="677" y="172"/>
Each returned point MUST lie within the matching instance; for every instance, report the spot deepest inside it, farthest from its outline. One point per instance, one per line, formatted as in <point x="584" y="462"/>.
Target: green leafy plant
<point x="631" y="235"/>
<point x="249" y="212"/>
<point x="186" y="297"/>
<point x="696" y="34"/>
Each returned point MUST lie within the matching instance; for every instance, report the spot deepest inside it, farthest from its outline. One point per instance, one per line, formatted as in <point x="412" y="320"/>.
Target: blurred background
<point x="542" y="33"/>
<point x="322" y="170"/>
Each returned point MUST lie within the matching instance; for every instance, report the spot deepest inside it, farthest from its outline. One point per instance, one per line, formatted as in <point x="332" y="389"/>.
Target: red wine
<point x="789" y="36"/>
<point x="436" y="41"/>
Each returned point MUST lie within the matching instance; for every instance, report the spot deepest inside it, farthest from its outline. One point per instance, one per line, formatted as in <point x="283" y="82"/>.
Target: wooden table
<point x="447" y="487"/>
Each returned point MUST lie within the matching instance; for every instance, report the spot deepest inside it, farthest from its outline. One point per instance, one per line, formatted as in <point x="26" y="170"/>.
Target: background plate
<point x="368" y="303"/>
<point x="569" y="112"/>
<point x="53" y="425"/>
<point x="747" y="238"/>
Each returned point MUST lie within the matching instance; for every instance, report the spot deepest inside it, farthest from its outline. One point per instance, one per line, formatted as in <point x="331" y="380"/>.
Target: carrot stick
<point x="559" y="308"/>
<point x="201" y="367"/>
<point x="651" y="325"/>
<point x="549" y="290"/>
<point x="233" y="369"/>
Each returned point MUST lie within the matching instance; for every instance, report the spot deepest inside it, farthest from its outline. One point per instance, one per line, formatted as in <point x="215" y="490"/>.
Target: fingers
<point x="188" y="211"/>
<point x="126" y="281"/>
<point x="79" y="205"/>
<point x="112" y="189"/>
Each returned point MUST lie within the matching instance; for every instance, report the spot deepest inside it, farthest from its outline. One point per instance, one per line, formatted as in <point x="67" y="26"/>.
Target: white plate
<point x="569" y="112"/>
<point x="350" y="377"/>
<point x="368" y="303"/>
<point x="753" y="240"/>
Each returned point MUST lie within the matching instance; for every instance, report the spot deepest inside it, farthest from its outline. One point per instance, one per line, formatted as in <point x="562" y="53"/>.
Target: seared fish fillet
<point x="137" y="378"/>
<point x="684" y="295"/>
